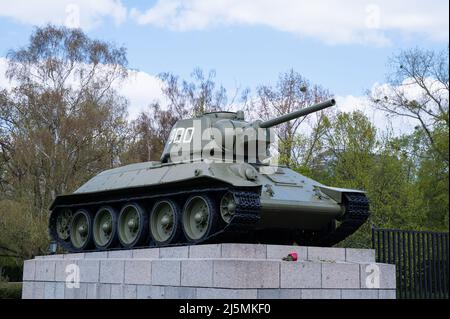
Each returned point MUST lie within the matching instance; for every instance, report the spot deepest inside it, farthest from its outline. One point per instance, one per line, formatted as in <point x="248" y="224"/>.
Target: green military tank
<point x="214" y="183"/>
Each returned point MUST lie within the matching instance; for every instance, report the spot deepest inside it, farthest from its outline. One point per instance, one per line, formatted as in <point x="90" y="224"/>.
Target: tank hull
<point x="268" y="202"/>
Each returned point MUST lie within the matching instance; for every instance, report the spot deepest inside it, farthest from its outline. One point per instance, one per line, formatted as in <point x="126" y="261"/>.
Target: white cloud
<point x="4" y="83"/>
<point x="73" y="13"/>
<point x="410" y="90"/>
<point x="381" y="120"/>
<point x="140" y="88"/>
<point x="332" y="21"/>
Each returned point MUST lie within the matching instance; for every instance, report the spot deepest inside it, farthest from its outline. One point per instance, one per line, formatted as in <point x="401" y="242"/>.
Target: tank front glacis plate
<point x="148" y="174"/>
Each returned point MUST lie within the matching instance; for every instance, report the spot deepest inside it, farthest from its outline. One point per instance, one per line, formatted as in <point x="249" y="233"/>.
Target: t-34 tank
<point x="214" y="183"/>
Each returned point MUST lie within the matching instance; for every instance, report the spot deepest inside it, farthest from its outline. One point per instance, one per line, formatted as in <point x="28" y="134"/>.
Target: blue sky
<point x="342" y="46"/>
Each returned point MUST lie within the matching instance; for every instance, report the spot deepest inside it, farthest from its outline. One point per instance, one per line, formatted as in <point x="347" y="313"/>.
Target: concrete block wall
<point x="229" y="271"/>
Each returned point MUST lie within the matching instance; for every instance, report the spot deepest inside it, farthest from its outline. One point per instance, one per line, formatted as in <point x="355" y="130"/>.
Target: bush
<point x="23" y="230"/>
<point x="10" y="290"/>
<point x="11" y="271"/>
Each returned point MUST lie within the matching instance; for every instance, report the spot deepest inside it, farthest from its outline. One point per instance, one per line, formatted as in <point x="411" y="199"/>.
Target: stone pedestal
<point x="233" y="271"/>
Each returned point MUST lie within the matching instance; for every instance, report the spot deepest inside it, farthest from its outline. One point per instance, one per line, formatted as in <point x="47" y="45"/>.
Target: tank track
<point x="356" y="214"/>
<point x="246" y="216"/>
<point x="53" y="233"/>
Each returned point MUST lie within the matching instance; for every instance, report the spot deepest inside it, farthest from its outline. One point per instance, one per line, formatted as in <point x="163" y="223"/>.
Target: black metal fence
<point x="421" y="259"/>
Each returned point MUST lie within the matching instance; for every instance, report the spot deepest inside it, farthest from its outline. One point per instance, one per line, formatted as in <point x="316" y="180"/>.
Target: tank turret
<point x="226" y="136"/>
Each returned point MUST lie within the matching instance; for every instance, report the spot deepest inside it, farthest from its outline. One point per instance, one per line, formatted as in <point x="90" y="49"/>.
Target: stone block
<point x="279" y="293"/>
<point x="359" y="293"/>
<point x="387" y="294"/>
<point x="59" y="290"/>
<point x="359" y="255"/>
<point x="74" y="256"/>
<point x="138" y="272"/>
<point x="117" y="291"/>
<point x="326" y="254"/>
<point x="112" y="271"/>
<point x="300" y="274"/>
<point x="76" y="293"/>
<point x="89" y="270"/>
<point x="92" y="291"/>
<point x="280" y="251"/>
<point x="321" y="294"/>
<point x="388" y="276"/>
<point x="49" y="290"/>
<point x="29" y="268"/>
<point x="246" y="274"/>
<point x="174" y="252"/>
<point x="27" y="289"/>
<point x="166" y="272"/>
<point x="244" y="251"/>
<point x="122" y="254"/>
<point x="150" y="292"/>
<point x="96" y="255"/>
<point x="38" y="290"/>
<point x="197" y="273"/>
<point x="290" y="293"/>
<point x="219" y="293"/>
<point x="179" y="292"/>
<point x="45" y="270"/>
<point x="61" y="267"/>
<point x="59" y="256"/>
<point x="340" y="275"/>
<point x="130" y="292"/>
<point x="104" y="291"/>
<point x="386" y="273"/>
<point x="205" y="251"/>
<point x="147" y="253"/>
<point x="268" y="293"/>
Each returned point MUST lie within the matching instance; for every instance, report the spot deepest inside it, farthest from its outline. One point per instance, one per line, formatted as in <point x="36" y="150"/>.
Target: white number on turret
<point x="181" y="134"/>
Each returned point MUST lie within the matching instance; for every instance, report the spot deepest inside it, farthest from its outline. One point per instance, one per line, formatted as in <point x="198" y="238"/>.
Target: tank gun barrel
<point x="293" y="115"/>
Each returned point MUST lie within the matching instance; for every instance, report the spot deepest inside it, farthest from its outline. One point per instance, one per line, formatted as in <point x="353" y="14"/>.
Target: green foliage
<point x="433" y="182"/>
<point x="10" y="290"/>
<point x="406" y="190"/>
<point x="62" y="123"/>
<point x="23" y="231"/>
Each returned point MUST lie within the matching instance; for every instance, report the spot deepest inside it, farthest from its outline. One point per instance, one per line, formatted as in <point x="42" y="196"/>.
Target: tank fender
<point x="336" y="193"/>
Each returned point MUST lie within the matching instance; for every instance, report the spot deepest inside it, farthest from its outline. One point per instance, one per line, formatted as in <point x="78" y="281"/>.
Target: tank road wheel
<point x="132" y="225"/>
<point x="63" y="224"/>
<point x="105" y="228"/>
<point x="164" y="222"/>
<point x="199" y="218"/>
<point x="81" y="230"/>
<point x="227" y="207"/>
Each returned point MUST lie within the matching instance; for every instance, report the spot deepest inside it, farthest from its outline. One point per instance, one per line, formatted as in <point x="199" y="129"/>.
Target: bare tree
<point x="194" y="97"/>
<point x="292" y="92"/>
<point x="186" y="98"/>
<point x="418" y="89"/>
<point x="148" y="134"/>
